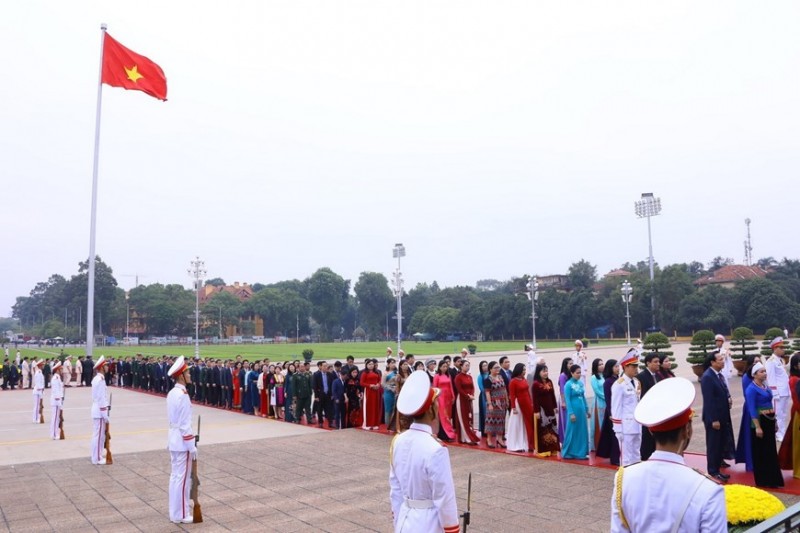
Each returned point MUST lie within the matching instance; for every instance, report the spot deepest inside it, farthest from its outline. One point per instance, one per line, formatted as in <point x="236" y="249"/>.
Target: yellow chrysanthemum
<point x="749" y="504"/>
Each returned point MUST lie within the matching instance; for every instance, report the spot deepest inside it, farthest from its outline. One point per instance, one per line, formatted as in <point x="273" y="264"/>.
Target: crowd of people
<point x="521" y="409"/>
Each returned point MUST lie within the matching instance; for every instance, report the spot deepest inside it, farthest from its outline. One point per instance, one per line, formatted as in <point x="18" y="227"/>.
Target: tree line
<point x="327" y="306"/>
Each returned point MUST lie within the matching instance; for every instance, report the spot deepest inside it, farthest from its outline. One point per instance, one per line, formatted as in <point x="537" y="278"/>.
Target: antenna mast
<point x="748" y="246"/>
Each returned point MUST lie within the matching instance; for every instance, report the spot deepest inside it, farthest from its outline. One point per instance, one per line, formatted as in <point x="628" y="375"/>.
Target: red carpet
<point x="695" y="460"/>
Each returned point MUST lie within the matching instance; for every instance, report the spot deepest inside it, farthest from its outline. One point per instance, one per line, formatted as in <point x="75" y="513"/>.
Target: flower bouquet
<point x="748" y="506"/>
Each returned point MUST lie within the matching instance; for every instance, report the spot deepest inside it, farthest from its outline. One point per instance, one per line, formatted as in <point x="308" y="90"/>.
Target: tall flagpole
<point x="93" y="223"/>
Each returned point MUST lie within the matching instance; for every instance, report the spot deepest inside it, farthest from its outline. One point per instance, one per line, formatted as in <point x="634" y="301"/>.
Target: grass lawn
<point x="331" y="351"/>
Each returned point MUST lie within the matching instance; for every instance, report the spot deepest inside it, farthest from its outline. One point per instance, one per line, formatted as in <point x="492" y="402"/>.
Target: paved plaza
<point x="267" y="475"/>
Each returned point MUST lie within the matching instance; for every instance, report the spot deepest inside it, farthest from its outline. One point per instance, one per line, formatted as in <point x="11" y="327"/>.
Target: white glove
<point x="193" y="453"/>
<point x="105" y="417"/>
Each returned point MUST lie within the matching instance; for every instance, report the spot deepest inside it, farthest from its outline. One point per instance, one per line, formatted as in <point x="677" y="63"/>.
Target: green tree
<point x="673" y="284"/>
<point x="743" y="343"/>
<point x="375" y="299"/>
<point x="281" y="310"/>
<point x="702" y="343"/>
<point x="223" y="309"/>
<point x="582" y="275"/>
<point x="327" y="292"/>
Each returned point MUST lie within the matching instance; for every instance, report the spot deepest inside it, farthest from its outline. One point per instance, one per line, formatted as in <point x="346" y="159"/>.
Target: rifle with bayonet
<point x="466" y="514"/>
<point x="107" y="445"/>
<point x="197" y="512"/>
<point x="41" y="408"/>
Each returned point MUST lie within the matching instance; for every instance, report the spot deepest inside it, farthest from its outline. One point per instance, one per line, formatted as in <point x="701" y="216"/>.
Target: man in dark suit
<point x="213" y="383"/>
<point x="505" y="370"/>
<point x="86" y="371"/>
<point x="648" y="377"/>
<point x="322" y="383"/>
<point x="716" y="414"/>
<point x="227" y="377"/>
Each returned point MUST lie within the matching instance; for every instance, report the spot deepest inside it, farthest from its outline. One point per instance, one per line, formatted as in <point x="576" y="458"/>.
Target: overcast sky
<point x="493" y="139"/>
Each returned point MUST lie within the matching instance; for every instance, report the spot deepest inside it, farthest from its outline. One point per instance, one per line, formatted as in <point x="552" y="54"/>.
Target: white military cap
<point x="719" y="337"/>
<point x="177" y="367"/>
<point x="417" y="395"/>
<point x="56" y="366"/>
<point x="775" y="342"/>
<point x="100" y="362"/>
<point x="579" y="342"/>
<point x="667" y="405"/>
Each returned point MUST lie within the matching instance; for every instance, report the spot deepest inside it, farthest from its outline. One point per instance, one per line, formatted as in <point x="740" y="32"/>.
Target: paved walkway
<point x="264" y="475"/>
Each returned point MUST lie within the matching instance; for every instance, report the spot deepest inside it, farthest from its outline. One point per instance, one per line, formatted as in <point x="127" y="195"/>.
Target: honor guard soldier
<point x="662" y="494"/>
<point x="582" y="360"/>
<point x="99" y="412"/>
<point x="38" y="389"/>
<point x="181" y="444"/>
<point x="421" y="484"/>
<point x="56" y="400"/>
<point x="625" y="394"/>
<point x="778" y="382"/>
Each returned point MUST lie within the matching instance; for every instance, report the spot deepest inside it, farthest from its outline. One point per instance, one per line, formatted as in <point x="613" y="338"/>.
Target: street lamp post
<point x="399" y="252"/>
<point x="533" y="295"/>
<point x="650" y="206"/>
<point x="627" y="293"/>
<point x="127" y="319"/>
<point x="197" y="272"/>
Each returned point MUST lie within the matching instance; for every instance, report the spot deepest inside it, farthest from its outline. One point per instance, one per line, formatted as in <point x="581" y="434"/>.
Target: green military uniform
<point x="301" y="387"/>
<point x="135" y="373"/>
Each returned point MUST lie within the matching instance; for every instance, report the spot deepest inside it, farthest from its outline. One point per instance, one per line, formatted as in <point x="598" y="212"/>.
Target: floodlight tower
<point x="650" y="206"/>
<point x="533" y="296"/>
<point x="398" y="252"/>
<point x="197" y="273"/>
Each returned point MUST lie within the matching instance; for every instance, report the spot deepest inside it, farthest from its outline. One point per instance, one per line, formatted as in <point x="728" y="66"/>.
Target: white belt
<point x="418" y="504"/>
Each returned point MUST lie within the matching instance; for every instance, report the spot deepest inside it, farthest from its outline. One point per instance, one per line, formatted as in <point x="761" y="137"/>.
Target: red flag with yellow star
<point x="129" y="70"/>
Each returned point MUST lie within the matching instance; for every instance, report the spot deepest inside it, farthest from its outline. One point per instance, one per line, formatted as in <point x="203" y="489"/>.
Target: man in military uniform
<point x="421" y="487"/>
<point x="778" y="382"/>
<point x="135" y="370"/>
<point x="99" y="412"/>
<point x="38" y="389"/>
<point x="56" y="400"/>
<point x="624" y="398"/>
<point x="663" y="494"/>
<point x="181" y="442"/>
<point x="301" y="387"/>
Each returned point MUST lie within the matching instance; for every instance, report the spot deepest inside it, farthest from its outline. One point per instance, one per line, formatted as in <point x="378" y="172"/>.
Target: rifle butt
<point x="109" y="458"/>
<point x="41" y="411"/>
<point x="197" y="512"/>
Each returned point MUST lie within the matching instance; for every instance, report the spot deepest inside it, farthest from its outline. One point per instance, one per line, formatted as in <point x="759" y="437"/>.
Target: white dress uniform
<point x="420" y="480"/>
<point x="182" y="448"/>
<point x="662" y="492"/>
<point x="778" y="382"/>
<point x="66" y="372"/>
<point x="26" y="374"/>
<point x="421" y="483"/>
<point x="99" y="416"/>
<point x="625" y="394"/>
<point x="582" y="360"/>
<point x="57" y="403"/>
<point x="38" y="392"/>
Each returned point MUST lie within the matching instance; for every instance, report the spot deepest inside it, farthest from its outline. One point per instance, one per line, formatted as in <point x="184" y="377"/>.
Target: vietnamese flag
<point x="129" y="70"/>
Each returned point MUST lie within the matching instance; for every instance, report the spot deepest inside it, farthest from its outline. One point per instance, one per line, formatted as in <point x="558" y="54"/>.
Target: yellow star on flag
<point x="133" y="73"/>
